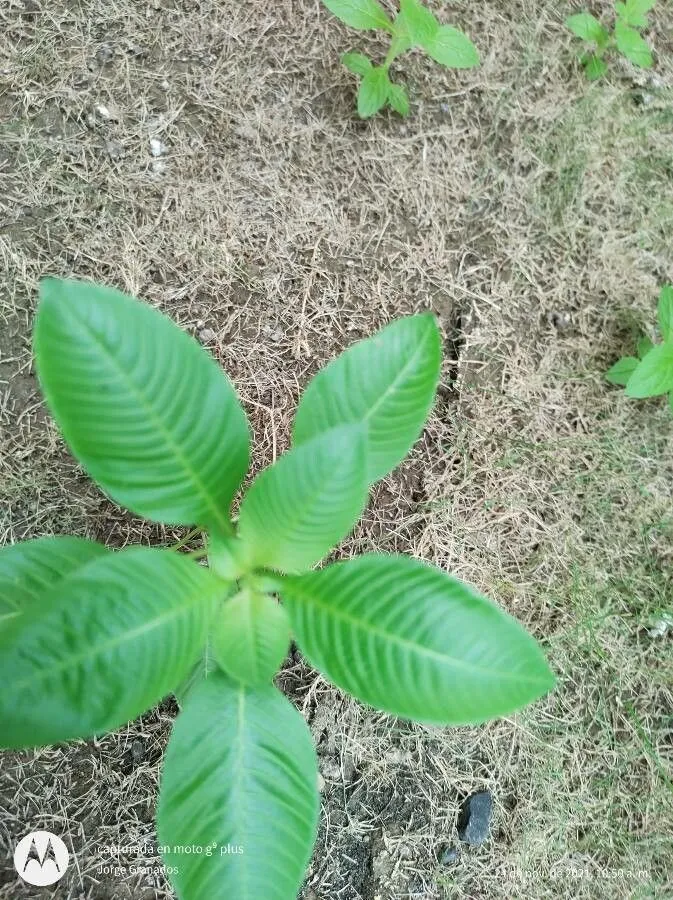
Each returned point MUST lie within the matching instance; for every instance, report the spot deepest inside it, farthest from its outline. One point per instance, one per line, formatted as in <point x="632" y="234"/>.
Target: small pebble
<point x="157" y="147"/>
<point x="207" y="335"/>
<point x="450" y="856"/>
<point x="104" y="54"/>
<point x="561" y="320"/>
<point x="107" y="112"/>
<point x="138" y="750"/>
<point x="114" y="149"/>
<point x="475" y="817"/>
<point x="660" y="628"/>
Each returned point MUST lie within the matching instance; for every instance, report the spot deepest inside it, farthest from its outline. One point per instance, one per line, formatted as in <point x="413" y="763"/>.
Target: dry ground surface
<point x="533" y="212"/>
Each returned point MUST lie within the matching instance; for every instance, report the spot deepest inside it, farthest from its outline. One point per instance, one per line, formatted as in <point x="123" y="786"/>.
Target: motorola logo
<point x="41" y="858"/>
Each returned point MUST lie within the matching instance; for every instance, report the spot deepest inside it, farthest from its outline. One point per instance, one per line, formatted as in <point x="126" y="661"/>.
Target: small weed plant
<point x="414" y="26"/>
<point x="90" y="637"/>
<point x="650" y="374"/>
<point x="630" y="17"/>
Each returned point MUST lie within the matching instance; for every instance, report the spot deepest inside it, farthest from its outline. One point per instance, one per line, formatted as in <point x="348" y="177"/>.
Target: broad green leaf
<point x="367" y="15"/>
<point x="398" y="99"/>
<point x="300" y="507"/>
<point x="240" y="775"/>
<point x="633" y="45"/>
<point x="644" y="346"/>
<point x="204" y="668"/>
<point x="418" y="22"/>
<point x="665" y="312"/>
<point x="357" y="63"/>
<point x="654" y="374"/>
<point x="413" y="641"/>
<point x="634" y="12"/>
<point x="148" y="413"/>
<point x="373" y="92"/>
<point x="594" y="67"/>
<point x="588" y="28"/>
<point x="250" y="636"/>
<point x="622" y="370"/>
<point x="30" y="568"/>
<point x="102" y="645"/>
<point x="452" y="48"/>
<point x="387" y="382"/>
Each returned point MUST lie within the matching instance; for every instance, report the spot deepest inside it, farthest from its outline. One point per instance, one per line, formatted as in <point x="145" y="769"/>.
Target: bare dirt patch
<point x="533" y="213"/>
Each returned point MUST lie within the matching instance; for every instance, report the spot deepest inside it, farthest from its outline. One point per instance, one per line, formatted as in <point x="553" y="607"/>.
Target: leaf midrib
<point x="240" y="780"/>
<point x="292" y="522"/>
<point x="222" y="520"/>
<point x="94" y="651"/>
<point x="392" y="387"/>
<point x="411" y="646"/>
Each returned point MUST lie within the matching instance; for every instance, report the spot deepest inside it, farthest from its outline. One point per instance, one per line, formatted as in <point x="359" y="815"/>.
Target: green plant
<point x="414" y="26"/>
<point x="626" y="38"/>
<point x="650" y="374"/>
<point x="90" y="638"/>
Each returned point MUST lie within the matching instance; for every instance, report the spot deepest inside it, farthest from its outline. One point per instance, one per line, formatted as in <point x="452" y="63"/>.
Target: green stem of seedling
<point x="392" y="55"/>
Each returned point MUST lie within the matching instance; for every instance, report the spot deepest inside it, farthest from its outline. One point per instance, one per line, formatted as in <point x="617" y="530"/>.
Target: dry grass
<point x="533" y="213"/>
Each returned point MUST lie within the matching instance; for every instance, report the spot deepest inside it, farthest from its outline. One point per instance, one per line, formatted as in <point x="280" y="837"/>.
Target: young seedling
<point x="414" y="26"/>
<point x="650" y="374"/>
<point x="626" y="39"/>
<point x="90" y="638"/>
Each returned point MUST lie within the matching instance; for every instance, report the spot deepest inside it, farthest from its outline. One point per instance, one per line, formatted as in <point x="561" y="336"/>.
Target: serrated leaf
<point x="373" y="92"/>
<point x="587" y="27"/>
<point x="409" y="639"/>
<point x="147" y="412"/>
<point x="398" y="99"/>
<point x="386" y="382"/>
<point x="654" y="374"/>
<point x="366" y="15"/>
<point x="452" y="48"/>
<point x="299" y="508"/>
<point x="665" y="312"/>
<point x="594" y="67"/>
<point x="103" y="645"/>
<point x="250" y="637"/>
<point x="417" y="21"/>
<point x="357" y="63"/>
<point x="240" y="775"/>
<point x="622" y="370"/>
<point x="632" y="45"/>
<point x="634" y="12"/>
<point x="30" y="568"/>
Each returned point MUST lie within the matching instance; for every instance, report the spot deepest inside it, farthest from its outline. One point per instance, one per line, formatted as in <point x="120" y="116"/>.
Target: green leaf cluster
<point x="414" y="26"/>
<point x="90" y="638"/>
<point x="650" y="374"/>
<point x="630" y="16"/>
